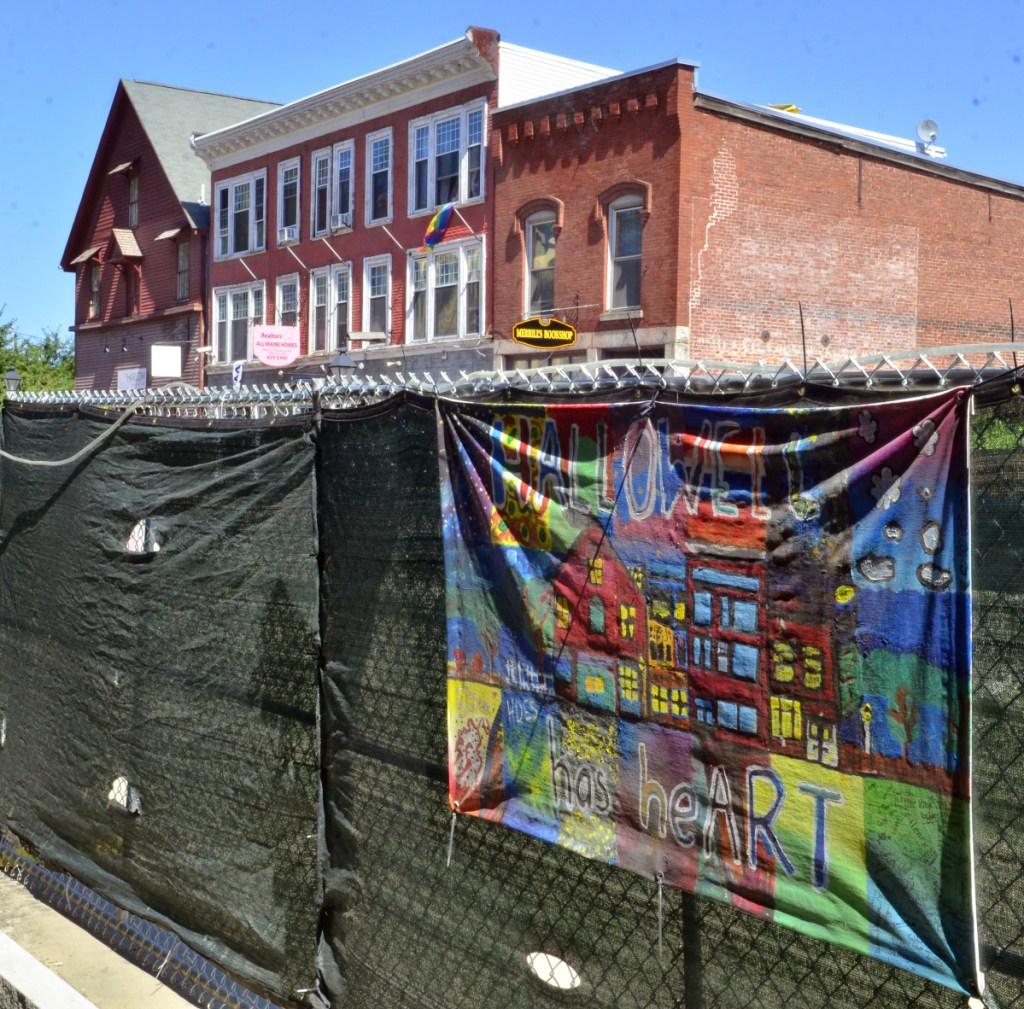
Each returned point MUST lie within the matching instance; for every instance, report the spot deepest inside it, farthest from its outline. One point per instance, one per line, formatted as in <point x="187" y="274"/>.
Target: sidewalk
<point x="48" y="962"/>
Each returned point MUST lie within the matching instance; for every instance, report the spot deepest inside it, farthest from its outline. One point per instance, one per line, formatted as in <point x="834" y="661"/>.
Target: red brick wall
<point x="574" y="148"/>
<point x="748" y="223"/>
<point x="882" y="257"/>
<point x="362" y="241"/>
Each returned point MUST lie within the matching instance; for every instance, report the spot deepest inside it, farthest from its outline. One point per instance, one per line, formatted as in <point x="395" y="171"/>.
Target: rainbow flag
<point x="438" y="225"/>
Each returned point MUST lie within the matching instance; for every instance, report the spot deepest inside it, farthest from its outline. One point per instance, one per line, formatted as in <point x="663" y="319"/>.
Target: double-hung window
<point x="288" y="201"/>
<point x="625" y="247"/>
<point x="378" y="167"/>
<point x="445" y="287"/>
<point x="377" y="294"/>
<point x="288" y="300"/>
<point x="447" y="158"/>
<point x="344" y="186"/>
<point x="341" y="287"/>
<point x="237" y="310"/>
<point x="241" y="215"/>
<point x="321" y="198"/>
<point x="319" y="309"/>
<point x="540" y="251"/>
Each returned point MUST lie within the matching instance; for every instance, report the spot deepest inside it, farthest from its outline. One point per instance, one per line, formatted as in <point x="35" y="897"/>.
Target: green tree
<point x="45" y="364"/>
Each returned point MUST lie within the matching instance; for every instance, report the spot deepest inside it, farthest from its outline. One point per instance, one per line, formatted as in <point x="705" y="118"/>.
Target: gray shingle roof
<point x="170" y="115"/>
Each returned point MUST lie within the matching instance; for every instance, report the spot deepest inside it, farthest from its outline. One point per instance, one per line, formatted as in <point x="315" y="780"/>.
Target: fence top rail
<point x="921" y="369"/>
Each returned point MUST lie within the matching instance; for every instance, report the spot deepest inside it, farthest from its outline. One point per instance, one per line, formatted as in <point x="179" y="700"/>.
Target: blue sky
<point x="873" y="64"/>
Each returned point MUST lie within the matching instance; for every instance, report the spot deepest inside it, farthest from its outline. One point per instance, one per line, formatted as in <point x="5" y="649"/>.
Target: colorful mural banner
<point x="727" y="648"/>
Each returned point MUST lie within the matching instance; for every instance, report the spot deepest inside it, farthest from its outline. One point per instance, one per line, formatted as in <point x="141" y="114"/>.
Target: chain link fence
<point x="400" y="926"/>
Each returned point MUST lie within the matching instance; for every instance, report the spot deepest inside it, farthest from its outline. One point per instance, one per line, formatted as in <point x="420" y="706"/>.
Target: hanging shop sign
<point x="544" y="334"/>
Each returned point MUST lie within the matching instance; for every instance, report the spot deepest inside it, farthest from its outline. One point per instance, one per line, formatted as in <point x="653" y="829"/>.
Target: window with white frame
<point x="377" y="294"/>
<point x="319" y="309"/>
<point x="378" y="166"/>
<point x="625" y="247"/>
<point x="344" y="185"/>
<point x="540" y="263"/>
<point x="321" y="198"/>
<point x="287" y="302"/>
<point x="236" y="310"/>
<point x="288" y="201"/>
<point x="447" y="158"/>
<point x="341" y="287"/>
<point x="445" y="292"/>
<point x="241" y="215"/>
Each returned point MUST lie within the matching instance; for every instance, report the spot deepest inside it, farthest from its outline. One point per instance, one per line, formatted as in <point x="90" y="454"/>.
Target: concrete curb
<point x="26" y="984"/>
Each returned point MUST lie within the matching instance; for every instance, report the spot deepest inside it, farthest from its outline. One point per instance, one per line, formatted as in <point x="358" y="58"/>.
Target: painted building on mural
<point x="651" y="216"/>
<point x="320" y="208"/>
<point x="138" y="244"/>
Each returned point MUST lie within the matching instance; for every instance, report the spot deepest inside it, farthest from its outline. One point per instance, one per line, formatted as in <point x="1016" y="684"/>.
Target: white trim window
<point x="319" y="309"/>
<point x="540" y="263"/>
<point x="286" y="303"/>
<point x="344" y="186"/>
<point x="625" y="248"/>
<point x="341" y="288"/>
<point x="377" y="295"/>
<point x="320" y="198"/>
<point x="447" y="155"/>
<point x="288" y="201"/>
<point x="446" y="292"/>
<point x="378" y="177"/>
<point x="236" y="310"/>
<point x="241" y="206"/>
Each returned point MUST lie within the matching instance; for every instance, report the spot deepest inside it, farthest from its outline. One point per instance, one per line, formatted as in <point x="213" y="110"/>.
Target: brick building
<point x="646" y="213"/>
<point x="138" y="243"/>
<point x="321" y="206"/>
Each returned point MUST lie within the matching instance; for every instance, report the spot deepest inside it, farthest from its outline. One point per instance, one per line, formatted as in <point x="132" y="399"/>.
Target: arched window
<point x="540" y="263"/>
<point x="540" y="222"/>
<point x="626" y="205"/>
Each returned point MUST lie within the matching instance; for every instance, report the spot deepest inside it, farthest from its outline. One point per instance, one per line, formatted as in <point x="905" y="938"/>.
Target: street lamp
<point x="341" y="365"/>
<point x="12" y="379"/>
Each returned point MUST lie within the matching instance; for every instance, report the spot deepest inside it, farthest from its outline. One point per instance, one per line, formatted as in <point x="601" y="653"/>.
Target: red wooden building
<point x="138" y="244"/>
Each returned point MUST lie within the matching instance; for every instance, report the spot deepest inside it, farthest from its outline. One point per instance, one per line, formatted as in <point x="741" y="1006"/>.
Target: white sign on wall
<point x="165" y="360"/>
<point x="131" y="378"/>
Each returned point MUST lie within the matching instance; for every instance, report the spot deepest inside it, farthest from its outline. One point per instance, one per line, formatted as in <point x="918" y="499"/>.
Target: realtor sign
<point x="277" y="346"/>
<point x="544" y="334"/>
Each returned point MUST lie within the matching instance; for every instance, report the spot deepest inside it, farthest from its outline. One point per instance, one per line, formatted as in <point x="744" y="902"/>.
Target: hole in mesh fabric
<point x="553" y="971"/>
<point x="3" y="730"/>
<point x="124" y="797"/>
<point x="142" y="541"/>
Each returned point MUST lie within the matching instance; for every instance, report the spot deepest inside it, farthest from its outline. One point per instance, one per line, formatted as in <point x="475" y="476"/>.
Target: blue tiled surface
<point x="153" y="948"/>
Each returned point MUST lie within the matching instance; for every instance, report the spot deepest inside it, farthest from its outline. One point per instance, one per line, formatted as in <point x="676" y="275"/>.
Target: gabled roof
<point x="169" y="116"/>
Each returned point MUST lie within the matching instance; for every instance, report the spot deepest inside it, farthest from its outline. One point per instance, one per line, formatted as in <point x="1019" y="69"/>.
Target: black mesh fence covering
<point x="192" y="673"/>
<point x="159" y="705"/>
<point x="404" y="930"/>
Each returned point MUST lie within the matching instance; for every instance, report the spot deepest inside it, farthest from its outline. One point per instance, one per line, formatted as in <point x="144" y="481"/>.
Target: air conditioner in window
<point x="289" y="234"/>
<point x="340" y="221"/>
<point x="369" y="336"/>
